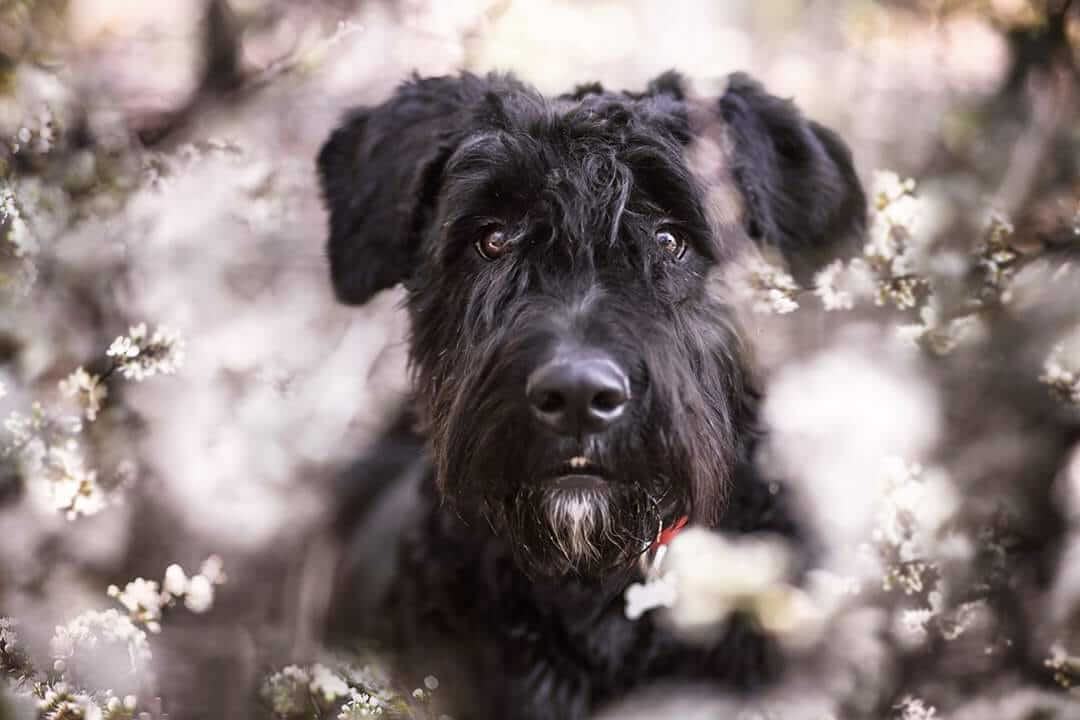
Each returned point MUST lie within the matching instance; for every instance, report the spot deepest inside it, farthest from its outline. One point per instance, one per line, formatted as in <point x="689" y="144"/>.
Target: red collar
<point x="668" y="534"/>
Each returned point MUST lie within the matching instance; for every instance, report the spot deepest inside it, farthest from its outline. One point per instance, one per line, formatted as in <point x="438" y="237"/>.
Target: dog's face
<point x="580" y="386"/>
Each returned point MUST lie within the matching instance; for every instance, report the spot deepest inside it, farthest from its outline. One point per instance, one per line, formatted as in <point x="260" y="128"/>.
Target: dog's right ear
<point x="380" y="173"/>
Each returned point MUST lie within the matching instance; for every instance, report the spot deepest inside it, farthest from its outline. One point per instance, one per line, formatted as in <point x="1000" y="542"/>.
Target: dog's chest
<point x="557" y="649"/>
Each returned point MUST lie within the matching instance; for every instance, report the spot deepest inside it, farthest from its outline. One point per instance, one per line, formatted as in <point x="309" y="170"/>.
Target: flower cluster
<point x="1066" y="668"/>
<point x="912" y="708"/>
<point x="107" y="648"/>
<point x="344" y="691"/>
<point x="145" y="599"/>
<point x="138" y="355"/>
<point x="88" y="391"/>
<point x="18" y="246"/>
<point x="47" y="453"/>
<point x="45" y="444"/>
<point x="1061" y="371"/>
<point x="59" y="702"/>
<point x="915" y="504"/>
<point x="711" y="576"/>
<point x="85" y="640"/>
<point x="996" y="258"/>
<point x="768" y="288"/>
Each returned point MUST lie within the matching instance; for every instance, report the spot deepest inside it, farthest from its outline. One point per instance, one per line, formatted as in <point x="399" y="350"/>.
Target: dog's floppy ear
<point x="802" y="196"/>
<point x="380" y="173"/>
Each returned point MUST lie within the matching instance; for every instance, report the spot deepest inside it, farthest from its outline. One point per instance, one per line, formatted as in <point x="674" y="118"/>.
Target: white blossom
<point x="1061" y="370"/>
<point x="912" y="708"/>
<point x="143" y="601"/>
<point x="768" y="288"/>
<point x="83" y="637"/>
<point x="200" y="595"/>
<point x="175" y="582"/>
<point x="360" y="705"/>
<point x="87" y="389"/>
<point x="839" y="284"/>
<point x="138" y="355"/>
<point x="327" y="684"/>
<point x="715" y="575"/>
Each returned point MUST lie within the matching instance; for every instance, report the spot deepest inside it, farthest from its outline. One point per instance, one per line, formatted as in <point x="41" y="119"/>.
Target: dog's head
<point x="581" y="386"/>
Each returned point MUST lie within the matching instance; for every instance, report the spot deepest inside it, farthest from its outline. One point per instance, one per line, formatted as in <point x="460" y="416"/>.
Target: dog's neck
<point x="577" y="603"/>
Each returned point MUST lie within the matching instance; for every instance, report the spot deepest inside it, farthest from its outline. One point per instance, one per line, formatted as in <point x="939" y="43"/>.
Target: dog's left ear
<point x="802" y="196"/>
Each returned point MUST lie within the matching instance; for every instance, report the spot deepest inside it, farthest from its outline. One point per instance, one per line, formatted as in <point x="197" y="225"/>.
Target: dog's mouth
<point x="577" y="473"/>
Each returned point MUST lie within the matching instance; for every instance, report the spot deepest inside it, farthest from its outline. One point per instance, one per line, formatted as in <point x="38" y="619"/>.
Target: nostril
<point x="608" y="401"/>
<point x="550" y="402"/>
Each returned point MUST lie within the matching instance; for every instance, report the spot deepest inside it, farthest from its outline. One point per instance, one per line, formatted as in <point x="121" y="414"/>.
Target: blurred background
<point x="157" y="166"/>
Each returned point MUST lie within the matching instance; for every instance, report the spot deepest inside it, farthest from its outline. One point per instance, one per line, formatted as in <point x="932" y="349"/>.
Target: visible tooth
<point x="578" y="462"/>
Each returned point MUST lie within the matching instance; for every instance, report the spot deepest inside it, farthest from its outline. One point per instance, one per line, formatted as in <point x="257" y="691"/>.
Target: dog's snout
<point x="578" y="394"/>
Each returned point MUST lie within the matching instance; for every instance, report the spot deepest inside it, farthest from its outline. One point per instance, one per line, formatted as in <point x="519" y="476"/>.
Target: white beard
<point x="580" y="520"/>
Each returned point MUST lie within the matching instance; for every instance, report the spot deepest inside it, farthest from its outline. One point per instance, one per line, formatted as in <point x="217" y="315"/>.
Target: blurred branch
<point x="224" y="79"/>
<point x="221" y="74"/>
<point x="1041" y="48"/>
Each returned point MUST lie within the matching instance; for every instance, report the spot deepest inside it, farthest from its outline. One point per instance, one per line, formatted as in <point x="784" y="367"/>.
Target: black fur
<point x="486" y="593"/>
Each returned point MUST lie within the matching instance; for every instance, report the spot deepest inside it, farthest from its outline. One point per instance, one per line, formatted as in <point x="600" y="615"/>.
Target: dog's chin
<point x="577" y="525"/>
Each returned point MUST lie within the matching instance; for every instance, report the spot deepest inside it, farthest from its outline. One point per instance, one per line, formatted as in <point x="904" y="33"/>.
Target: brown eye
<point x="494" y="245"/>
<point x="675" y="246"/>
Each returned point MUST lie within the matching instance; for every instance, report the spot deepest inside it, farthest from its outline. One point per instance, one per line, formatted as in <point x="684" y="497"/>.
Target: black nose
<point x="578" y="394"/>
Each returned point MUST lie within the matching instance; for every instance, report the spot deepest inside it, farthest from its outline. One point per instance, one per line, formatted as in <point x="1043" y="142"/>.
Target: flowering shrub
<point x="922" y="393"/>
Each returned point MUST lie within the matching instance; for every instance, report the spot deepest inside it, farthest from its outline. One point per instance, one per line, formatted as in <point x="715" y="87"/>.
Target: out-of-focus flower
<point x="715" y="576"/>
<point x="839" y="284"/>
<point x="60" y="703"/>
<point x="360" y="705"/>
<point x="996" y="257"/>
<point x="82" y="641"/>
<point x="912" y="708"/>
<point x="889" y="253"/>
<point x="287" y="691"/>
<point x="213" y="569"/>
<point x="175" y="582"/>
<point x="88" y="390"/>
<point x="655" y="593"/>
<point x="1065" y="665"/>
<point x="200" y="595"/>
<point x="766" y="287"/>
<point x="1061" y="370"/>
<point x="67" y="485"/>
<point x="916" y="503"/>
<point x="941" y="337"/>
<point x="327" y="684"/>
<point x="143" y="601"/>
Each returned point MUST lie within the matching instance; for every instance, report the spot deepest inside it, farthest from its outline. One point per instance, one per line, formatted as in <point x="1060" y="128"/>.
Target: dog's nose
<point x="575" y="395"/>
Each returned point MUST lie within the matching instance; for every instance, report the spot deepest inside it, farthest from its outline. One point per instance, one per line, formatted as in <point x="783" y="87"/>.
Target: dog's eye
<point x="672" y="244"/>
<point x="494" y="245"/>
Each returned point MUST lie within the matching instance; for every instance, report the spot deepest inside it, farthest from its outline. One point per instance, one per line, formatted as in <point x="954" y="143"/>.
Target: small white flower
<point x="143" y="601"/>
<point x="200" y="595"/>
<point x="655" y="593"/>
<point x="81" y="639"/>
<point x="175" y="582"/>
<point x="328" y="684"/>
<point x="87" y="388"/>
<point x="912" y="708"/>
<point x="431" y="682"/>
<point x="213" y="569"/>
<point x="768" y="288"/>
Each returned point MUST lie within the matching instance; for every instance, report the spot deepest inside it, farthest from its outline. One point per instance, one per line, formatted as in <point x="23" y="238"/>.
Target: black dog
<point x="578" y="384"/>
